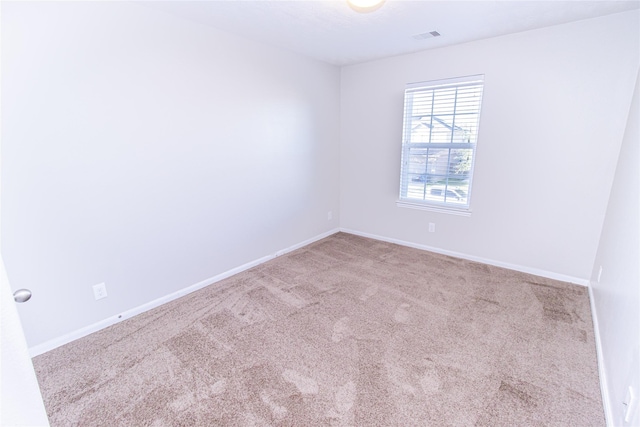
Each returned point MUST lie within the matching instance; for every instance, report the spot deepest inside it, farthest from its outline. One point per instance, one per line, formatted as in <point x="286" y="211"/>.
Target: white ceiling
<point x="330" y="31"/>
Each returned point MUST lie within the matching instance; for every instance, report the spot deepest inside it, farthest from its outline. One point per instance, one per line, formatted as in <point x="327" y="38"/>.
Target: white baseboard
<point x="521" y="268"/>
<point x="82" y="332"/>
<point x="604" y="389"/>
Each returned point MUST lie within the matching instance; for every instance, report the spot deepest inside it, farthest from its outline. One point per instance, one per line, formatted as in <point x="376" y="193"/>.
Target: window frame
<point x="404" y="200"/>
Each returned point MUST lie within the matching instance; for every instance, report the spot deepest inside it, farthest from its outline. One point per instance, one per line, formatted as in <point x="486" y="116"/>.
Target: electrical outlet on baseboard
<point x="329" y="216"/>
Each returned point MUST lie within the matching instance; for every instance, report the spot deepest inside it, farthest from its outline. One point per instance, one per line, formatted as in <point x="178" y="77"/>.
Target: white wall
<point x="554" y="111"/>
<point x="616" y="297"/>
<point x="151" y="153"/>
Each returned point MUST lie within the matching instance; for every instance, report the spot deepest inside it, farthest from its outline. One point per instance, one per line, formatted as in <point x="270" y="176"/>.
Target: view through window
<point x="439" y="141"/>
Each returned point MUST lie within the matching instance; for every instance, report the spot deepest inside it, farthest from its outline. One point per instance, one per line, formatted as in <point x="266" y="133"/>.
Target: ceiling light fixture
<point x="365" y="6"/>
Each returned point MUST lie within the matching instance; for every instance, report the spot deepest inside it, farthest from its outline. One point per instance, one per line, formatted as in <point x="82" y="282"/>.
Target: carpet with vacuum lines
<point x="346" y="331"/>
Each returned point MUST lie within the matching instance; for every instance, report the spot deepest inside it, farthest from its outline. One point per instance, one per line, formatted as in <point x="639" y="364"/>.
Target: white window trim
<point x="434" y="208"/>
<point x="431" y="205"/>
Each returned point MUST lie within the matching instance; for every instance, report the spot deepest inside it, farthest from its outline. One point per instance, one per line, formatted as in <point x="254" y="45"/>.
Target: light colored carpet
<point x="346" y="331"/>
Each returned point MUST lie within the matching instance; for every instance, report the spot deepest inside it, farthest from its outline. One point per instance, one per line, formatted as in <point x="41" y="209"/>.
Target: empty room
<point x="308" y="213"/>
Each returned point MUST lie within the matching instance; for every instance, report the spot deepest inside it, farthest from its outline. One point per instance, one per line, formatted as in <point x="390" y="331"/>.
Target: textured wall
<point x="151" y="153"/>
<point x="553" y="115"/>
<point x="616" y="294"/>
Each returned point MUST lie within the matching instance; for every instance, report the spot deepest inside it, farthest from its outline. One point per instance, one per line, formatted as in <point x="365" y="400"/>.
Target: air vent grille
<point x="428" y="35"/>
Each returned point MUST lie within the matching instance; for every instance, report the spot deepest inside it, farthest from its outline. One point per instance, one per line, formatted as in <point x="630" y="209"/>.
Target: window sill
<point x="432" y="208"/>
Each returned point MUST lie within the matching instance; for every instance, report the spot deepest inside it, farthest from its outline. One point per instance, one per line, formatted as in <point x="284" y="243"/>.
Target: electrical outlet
<point x="329" y="216"/>
<point x="99" y="291"/>
<point x="432" y="227"/>
<point x="599" y="274"/>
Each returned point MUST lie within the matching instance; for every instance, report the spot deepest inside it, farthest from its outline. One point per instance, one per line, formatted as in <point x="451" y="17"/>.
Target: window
<point x="440" y="133"/>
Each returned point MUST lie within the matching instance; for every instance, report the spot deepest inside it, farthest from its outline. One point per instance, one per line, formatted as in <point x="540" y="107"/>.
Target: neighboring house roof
<point x="427" y="122"/>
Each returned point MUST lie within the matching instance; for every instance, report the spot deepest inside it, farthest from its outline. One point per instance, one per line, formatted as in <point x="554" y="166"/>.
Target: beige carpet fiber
<point x="345" y="331"/>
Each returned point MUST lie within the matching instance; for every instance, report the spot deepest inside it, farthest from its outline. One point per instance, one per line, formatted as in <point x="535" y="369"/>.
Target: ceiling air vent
<point x="428" y="35"/>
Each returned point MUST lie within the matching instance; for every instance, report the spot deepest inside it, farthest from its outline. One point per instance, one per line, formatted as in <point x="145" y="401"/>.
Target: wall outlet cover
<point x="99" y="291"/>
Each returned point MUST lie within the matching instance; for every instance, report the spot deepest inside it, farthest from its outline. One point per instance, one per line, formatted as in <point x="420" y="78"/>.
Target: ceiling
<point x="330" y="31"/>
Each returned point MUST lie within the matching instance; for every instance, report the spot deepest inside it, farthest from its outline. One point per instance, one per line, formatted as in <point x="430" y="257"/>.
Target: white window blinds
<point x="440" y="133"/>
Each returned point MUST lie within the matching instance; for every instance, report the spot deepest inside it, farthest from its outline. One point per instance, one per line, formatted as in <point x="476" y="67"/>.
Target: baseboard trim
<point x="604" y="389"/>
<point x="82" y="332"/>
<point x="521" y="268"/>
